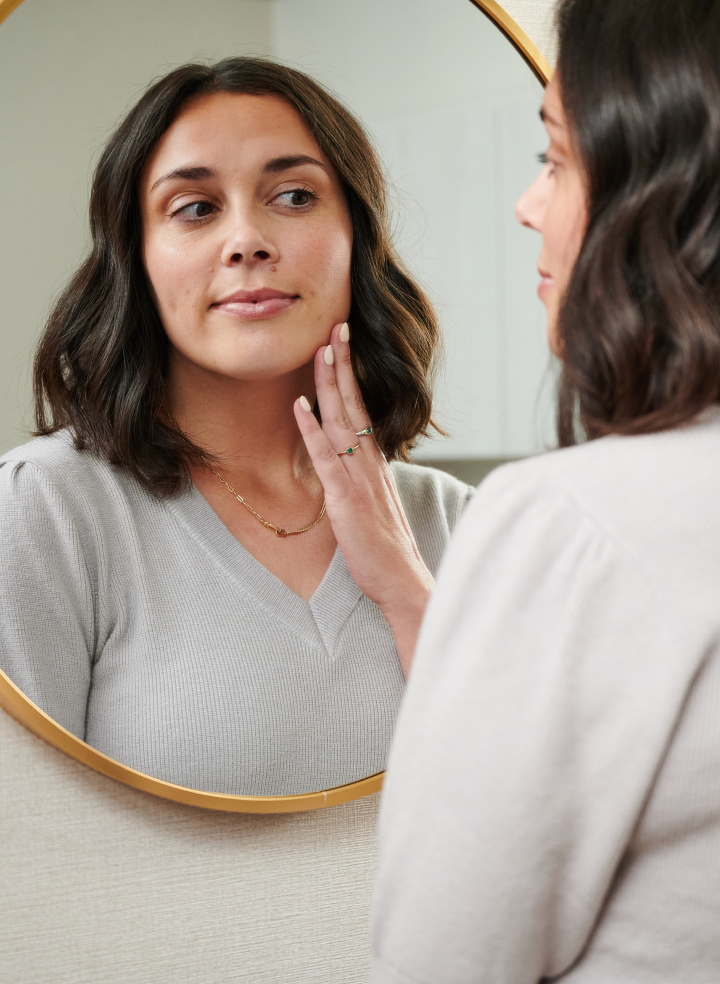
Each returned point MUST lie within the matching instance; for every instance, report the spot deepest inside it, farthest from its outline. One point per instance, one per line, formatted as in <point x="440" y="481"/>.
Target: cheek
<point x="577" y="235"/>
<point x="576" y="218"/>
<point x="175" y="274"/>
<point x="162" y="273"/>
<point x="325" y="260"/>
<point x="563" y="231"/>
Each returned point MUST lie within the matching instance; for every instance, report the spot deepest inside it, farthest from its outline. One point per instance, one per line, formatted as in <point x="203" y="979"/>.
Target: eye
<point x="545" y="160"/>
<point x="297" y="198"/>
<point x="194" y="211"/>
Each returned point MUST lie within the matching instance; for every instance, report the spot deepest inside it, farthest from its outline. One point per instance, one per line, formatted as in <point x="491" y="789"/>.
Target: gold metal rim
<point x="515" y="35"/>
<point x="18" y="706"/>
<point x="7" y="7"/>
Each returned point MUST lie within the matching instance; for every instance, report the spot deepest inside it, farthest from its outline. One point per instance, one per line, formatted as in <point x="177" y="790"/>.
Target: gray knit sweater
<point x="145" y="628"/>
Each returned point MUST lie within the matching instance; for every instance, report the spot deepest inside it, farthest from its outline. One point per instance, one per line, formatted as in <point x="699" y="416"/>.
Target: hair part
<point x="101" y="368"/>
<point x="639" y="326"/>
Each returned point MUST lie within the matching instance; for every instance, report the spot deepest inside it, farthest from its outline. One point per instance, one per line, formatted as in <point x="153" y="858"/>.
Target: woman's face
<point x="246" y="238"/>
<point x="556" y="206"/>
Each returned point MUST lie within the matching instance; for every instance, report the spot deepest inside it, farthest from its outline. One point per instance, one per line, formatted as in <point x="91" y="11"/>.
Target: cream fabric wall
<point x="101" y="884"/>
<point x="536" y="18"/>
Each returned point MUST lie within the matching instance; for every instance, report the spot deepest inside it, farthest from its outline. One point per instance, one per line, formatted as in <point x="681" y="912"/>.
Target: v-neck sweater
<point x="145" y="628"/>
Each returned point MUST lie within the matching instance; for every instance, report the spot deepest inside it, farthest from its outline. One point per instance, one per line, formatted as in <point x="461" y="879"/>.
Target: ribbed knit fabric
<point x="146" y="628"/>
<point x="552" y="806"/>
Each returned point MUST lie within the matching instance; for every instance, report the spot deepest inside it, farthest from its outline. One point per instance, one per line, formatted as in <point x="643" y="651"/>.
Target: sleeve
<point x="47" y="624"/>
<point x="541" y="701"/>
<point x="434" y="502"/>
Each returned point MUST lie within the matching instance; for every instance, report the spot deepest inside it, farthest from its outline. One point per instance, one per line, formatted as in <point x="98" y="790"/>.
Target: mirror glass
<point x="453" y="111"/>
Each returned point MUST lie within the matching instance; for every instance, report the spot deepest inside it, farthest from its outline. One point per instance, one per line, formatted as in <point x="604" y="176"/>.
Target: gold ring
<point x="362" y="433"/>
<point x="349" y="450"/>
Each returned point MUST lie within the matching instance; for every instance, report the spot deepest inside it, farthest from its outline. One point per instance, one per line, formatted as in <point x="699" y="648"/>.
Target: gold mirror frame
<point x="501" y="18"/>
<point x="14" y="702"/>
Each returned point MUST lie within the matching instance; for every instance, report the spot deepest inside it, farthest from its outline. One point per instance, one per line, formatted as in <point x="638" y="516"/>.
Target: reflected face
<point x="246" y="238"/>
<point x="556" y="206"/>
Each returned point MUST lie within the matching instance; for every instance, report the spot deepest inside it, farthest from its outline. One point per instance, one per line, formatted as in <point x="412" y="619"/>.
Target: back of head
<point x="640" y="323"/>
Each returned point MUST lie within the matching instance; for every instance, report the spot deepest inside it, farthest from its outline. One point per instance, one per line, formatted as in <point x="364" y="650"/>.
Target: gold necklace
<point x="277" y="530"/>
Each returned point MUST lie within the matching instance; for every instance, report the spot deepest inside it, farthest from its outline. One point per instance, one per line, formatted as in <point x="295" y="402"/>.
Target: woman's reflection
<point x="174" y="589"/>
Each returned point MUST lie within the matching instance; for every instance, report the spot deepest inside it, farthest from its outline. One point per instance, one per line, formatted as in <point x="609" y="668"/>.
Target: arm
<point x="47" y="626"/>
<point x="543" y="695"/>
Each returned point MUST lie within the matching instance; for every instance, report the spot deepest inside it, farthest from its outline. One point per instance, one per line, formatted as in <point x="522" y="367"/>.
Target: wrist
<point x="404" y="615"/>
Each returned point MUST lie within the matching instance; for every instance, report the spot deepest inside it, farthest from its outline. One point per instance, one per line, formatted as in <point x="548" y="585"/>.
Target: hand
<point x="362" y="500"/>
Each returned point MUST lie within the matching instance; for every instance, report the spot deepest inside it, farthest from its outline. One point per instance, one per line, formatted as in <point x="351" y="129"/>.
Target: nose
<point x="531" y="205"/>
<point x="246" y="241"/>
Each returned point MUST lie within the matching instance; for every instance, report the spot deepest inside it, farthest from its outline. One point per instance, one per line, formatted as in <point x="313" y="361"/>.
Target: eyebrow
<point x="286" y="163"/>
<point x="276" y="165"/>
<point x="187" y="174"/>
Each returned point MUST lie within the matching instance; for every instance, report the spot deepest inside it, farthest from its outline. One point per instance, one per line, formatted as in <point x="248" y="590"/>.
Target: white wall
<point x="68" y="71"/>
<point x="454" y="111"/>
<point x="452" y="107"/>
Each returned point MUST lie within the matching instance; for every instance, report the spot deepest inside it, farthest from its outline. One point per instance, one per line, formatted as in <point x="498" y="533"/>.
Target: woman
<point x="552" y="809"/>
<point x="174" y="592"/>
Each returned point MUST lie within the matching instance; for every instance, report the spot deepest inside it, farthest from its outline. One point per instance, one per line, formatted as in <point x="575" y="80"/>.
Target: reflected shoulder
<point x="79" y="477"/>
<point x="433" y="502"/>
<point x="421" y="480"/>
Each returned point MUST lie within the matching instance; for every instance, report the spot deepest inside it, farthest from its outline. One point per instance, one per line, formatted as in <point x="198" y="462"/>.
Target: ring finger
<point x="349" y="390"/>
<point x="335" y="420"/>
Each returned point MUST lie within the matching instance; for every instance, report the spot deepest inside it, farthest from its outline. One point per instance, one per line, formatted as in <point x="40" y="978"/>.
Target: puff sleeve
<point x="47" y="626"/>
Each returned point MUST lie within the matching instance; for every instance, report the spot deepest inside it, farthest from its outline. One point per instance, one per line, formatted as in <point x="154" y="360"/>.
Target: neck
<point x="248" y="426"/>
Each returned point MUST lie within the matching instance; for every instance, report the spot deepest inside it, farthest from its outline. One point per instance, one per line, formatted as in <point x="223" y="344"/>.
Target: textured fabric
<point x="146" y="628"/>
<point x="104" y="884"/>
<point x="553" y="792"/>
<point x="536" y="18"/>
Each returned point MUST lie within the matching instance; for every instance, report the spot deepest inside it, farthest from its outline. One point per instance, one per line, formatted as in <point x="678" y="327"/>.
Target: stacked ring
<point x="362" y="433"/>
<point x="349" y="450"/>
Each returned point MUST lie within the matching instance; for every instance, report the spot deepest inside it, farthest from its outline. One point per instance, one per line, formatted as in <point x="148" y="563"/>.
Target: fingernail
<point x="345" y="333"/>
<point x="305" y="404"/>
<point x="328" y="356"/>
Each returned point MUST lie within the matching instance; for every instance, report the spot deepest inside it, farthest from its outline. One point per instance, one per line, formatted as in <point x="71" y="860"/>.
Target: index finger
<point x="334" y="476"/>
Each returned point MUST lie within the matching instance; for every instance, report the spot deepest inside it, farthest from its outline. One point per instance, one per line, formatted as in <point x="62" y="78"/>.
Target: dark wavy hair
<point x="639" y="327"/>
<point x="101" y="368"/>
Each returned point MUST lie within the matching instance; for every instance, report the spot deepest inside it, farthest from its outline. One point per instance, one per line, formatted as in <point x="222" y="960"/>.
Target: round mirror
<point x="452" y="108"/>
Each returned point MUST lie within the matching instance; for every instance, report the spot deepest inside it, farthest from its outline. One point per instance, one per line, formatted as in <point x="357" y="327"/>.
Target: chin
<point x="552" y="336"/>
<point x="263" y="371"/>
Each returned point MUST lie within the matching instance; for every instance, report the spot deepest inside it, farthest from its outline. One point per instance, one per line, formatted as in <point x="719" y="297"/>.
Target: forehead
<point x="232" y="130"/>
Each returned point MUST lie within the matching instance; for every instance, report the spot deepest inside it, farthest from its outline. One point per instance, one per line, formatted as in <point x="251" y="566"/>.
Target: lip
<point x="253" y="305"/>
<point x="547" y="282"/>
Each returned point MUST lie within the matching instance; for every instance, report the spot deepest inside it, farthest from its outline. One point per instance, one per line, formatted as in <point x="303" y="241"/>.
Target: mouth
<point x="547" y="282"/>
<point x="253" y="305"/>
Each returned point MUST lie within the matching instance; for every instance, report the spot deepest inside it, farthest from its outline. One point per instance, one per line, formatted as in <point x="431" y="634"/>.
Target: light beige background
<point x="450" y="105"/>
<point x="101" y="884"/>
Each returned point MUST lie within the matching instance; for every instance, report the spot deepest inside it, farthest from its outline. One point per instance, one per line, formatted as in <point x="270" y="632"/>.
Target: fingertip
<point x="328" y="355"/>
<point x="305" y="404"/>
<point x="344" y="334"/>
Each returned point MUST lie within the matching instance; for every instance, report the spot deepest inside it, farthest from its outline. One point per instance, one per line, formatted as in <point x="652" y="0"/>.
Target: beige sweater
<point x="553" y="801"/>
